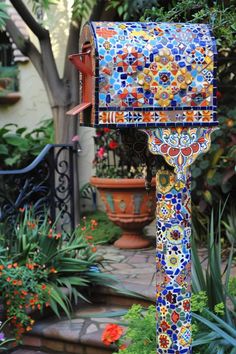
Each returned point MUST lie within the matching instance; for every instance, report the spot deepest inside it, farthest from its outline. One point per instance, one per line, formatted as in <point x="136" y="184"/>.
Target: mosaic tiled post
<point x="180" y="147"/>
<point x="160" y="78"/>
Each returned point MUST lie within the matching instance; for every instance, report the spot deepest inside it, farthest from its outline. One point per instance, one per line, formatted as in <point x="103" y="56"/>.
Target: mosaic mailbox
<point x="160" y="78"/>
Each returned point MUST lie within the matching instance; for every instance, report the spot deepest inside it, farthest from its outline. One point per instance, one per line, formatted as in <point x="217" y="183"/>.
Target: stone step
<point x="135" y="269"/>
<point x="129" y="294"/>
<point x="80" y="335"/>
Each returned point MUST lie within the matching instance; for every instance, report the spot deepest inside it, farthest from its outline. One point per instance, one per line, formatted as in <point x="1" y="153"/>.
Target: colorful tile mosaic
<point x="180" y="147"/>
<point x="173" y="261"/>
<point x="152" y="74"/>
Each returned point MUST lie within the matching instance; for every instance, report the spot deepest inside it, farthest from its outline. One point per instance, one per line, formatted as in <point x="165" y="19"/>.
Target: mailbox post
<point x="159" y="78"/>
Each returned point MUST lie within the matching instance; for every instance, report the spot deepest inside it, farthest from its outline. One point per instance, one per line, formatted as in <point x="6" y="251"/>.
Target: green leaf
<point x="3" y="14"/>
<point x="3" y="149"/>
<point x="16" y="140"/>
<point x="216" y="329"/>
<point x="10" y="161"/>
<point x="196" y="171"/>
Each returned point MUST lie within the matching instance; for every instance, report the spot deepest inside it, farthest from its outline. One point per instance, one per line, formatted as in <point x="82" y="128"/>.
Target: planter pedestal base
<point x="132" y="240"/>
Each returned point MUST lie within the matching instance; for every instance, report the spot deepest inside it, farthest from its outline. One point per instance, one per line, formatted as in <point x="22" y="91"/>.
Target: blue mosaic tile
<point x="153" y="67"/>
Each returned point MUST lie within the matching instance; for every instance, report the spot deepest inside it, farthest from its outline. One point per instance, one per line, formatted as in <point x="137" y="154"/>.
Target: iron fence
<point x="47" y="184"/>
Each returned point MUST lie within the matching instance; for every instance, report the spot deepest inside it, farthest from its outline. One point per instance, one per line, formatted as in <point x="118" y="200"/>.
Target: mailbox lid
<point x="154" y="74"/>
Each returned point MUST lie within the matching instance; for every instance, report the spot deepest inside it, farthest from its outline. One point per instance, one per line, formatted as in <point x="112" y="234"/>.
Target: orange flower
<point x="30" y="266"/>
<point x="28" y="328"/>
<point x="122" y="347"/>
<point x="15" y="265"/>
<point x="111" y="333"/>
<point x="94" y="222"/>
<point x="9" y="266"/>
<point x="1" y="267"/>
<point x="31" y="225"/>
<point x="89" y="237"/>
<point x="94" y="249"/>
<point x="43" y="286"/>
<point x="58" y="236"/>
<point x="53" y="270"/>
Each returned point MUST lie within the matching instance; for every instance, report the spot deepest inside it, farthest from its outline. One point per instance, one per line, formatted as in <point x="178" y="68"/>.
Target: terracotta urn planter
<point x="129" y="206"/>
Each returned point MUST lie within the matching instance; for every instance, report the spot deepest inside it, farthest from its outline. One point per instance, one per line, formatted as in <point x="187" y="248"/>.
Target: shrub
<point x="37" y="261"/>
<point x="18" y="147"/>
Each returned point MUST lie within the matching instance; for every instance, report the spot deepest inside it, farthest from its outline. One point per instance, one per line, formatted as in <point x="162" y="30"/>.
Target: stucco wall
<point x="33" y="105"/>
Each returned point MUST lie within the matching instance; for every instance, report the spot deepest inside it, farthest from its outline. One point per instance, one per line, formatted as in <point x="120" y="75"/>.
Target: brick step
<point x="80" y="335"/>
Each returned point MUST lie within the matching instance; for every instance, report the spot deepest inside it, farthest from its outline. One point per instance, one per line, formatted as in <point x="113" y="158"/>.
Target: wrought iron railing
<point x="47" y="184"/>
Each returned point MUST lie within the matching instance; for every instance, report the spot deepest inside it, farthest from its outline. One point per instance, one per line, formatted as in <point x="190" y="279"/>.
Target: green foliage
<point x="216" y="322"/>
<point x="141" y="332"/>
<point x="230" y="226"/>
<point x="213" y="174"/>
<point x="212" y="280"/>
<point x="4" y="340"/>
<point x="105" y="231"/>
<point x="81" y="9"/>
<point x="199" y="301"/>
<point x="18" y="147"/>
<point x="39" y="261"/>
<point x="3" y="14"/>
<point x="131" y="9"/>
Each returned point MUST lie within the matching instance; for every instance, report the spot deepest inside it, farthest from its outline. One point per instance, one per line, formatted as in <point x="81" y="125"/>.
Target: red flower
<point x="106" y="130"/>
<point x="113" y="144"/>
<point x="112" y="333"/>
<point x="218" y="95"/>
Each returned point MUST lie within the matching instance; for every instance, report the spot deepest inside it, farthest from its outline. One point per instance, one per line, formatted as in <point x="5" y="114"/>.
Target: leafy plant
<point x="37" y="261"/>
<point x="112" y="157"/>
<point x="216" y="322"/>
<point x="131" y="10"/>
<point x="214" y="280"/>
<point x="3" y="14"/>
<point x="214" y="173"/>
<point x="141" y="332"/>
<point x="105" y="231"/>
<point x="4" y="339"/>
<point x="18" y="147"/>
